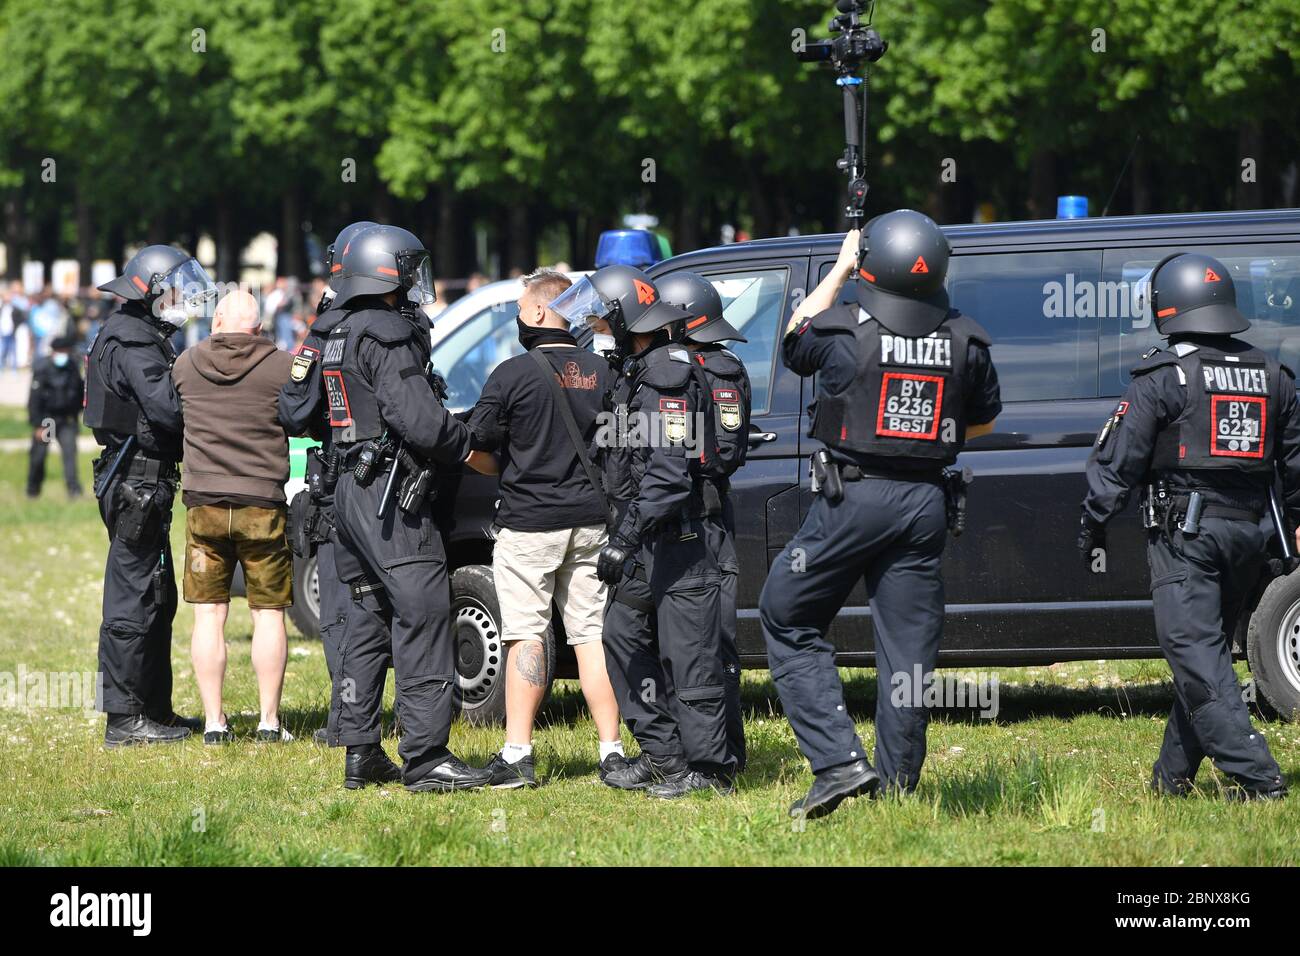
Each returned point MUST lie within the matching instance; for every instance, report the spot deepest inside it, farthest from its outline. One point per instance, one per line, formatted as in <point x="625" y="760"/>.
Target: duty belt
<point x="857" y="473"/>
<point x="1216" y="509"/>
<point x="151" y="469"/>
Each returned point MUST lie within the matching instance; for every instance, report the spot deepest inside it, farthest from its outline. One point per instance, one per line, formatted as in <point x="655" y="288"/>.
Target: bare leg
<point x="208" y="654"/>
<point x="525" y="689"/>
<point x="597" y="689"/>
<point x="270" y="654"/>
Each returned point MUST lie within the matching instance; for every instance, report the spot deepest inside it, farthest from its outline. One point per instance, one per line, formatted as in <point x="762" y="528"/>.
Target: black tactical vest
<point x="349" y="395"/>
<point x="722" y="375"/>
<point x="1230" y="418"/>
<point x="622" y="458"/>
<point x="907" y="399"/>
<point x="105" y="409"/>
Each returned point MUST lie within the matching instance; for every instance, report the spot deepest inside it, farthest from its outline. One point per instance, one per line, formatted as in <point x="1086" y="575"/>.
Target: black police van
<point x="1063" y="301"/>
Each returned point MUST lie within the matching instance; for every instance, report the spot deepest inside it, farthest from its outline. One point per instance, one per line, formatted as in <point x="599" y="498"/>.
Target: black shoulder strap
<point x="562" y="405"/>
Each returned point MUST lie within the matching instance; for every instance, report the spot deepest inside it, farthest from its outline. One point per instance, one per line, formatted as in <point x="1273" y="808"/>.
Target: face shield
<point x="187" y="294"/>
<point x="581" y="305"/>
<point x="416" y="271"/>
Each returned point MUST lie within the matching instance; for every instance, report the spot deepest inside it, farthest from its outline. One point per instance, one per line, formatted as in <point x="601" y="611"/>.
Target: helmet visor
<point x="188" y="293"/>
<point x="416" y="268"/>
<point x="581" y="305"/>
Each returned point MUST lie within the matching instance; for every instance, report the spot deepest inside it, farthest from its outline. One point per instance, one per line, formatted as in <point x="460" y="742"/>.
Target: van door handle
<point x="758" y="438"/>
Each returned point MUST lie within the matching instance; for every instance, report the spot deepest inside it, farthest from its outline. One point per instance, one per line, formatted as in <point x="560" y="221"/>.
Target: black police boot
<point x="1170" y="788"/>
<point x="615" y="761"/>
<point x="511" y="776"/>
<point x="833" y="786"/>
<point x="1277" y="791"/>
<point x="125" y="730"/>
<point x="644" y="771"/>
<point x="681" y="784"/>
<point x="450" y="774"/>
<point x="173" y="719"/>
<point x="368" y="763"/>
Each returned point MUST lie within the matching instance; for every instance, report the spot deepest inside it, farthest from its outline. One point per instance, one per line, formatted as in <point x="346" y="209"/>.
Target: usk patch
<point x="728" y="402"/>
<point x="302" y="360"/>
<point x="673" y="412"/>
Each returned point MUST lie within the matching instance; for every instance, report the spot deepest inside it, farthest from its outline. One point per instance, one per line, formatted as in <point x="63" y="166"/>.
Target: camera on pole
<point x="854" y="43"/>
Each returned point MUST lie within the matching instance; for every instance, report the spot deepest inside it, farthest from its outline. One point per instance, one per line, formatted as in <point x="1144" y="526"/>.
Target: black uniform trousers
<point x="401" y="604"/>
<point x="1198" y="585"/>
<point x="721" y="532"/>
<point x="135" y="638"/>
<point x="662" y="649"/>
<point x="65" y="433"/>
<point x="891" y="534"/>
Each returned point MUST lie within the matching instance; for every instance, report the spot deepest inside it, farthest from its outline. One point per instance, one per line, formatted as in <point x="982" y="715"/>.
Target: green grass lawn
<point x="1058" y="778"/>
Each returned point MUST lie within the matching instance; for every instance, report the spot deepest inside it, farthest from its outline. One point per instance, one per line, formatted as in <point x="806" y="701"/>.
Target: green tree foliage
<point x="168" y="120"/>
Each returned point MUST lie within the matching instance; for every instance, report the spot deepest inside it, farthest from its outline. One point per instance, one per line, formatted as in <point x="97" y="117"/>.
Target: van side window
<point x="469" y="354"/>
<point x="753" y="301"/>
<point x="1041" y="310"/>
<point x="1267" y="280"/>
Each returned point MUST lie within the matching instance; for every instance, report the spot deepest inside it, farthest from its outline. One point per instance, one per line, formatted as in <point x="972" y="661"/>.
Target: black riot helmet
<point x="624" y="297"/>
<point x="697" y="297"/>
<point x="157" y="270"/>
<point x="333" y="254"/>
<point x="382" y="259"/>
<point x="902" y="262"/>
<point x="1194" y="293"/>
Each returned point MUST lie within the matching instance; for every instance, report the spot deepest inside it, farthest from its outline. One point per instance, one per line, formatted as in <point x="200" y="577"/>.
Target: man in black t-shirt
<point x="551" y="522"/>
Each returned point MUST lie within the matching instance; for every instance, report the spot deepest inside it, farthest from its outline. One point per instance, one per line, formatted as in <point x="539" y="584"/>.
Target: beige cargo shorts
<point x="533" y="568"/>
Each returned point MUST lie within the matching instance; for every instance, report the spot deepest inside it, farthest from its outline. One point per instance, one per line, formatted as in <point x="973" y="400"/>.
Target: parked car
<point x="1063" y="302"/>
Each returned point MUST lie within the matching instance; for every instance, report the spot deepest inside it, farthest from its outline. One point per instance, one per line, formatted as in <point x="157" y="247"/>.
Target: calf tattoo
<point x="530" y="662"/>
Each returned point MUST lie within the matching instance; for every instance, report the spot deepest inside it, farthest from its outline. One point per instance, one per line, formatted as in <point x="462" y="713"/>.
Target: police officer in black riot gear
<point x="722" y="374"/>
<point x="391" y="431"/>
<point x="304" y="411"/>
<point x="133" y="408"/>
<point x="662" y="624"/>
<point x="902" y="381"/>
<point x="52" y="408"/>
<point x="1206" y="426"/>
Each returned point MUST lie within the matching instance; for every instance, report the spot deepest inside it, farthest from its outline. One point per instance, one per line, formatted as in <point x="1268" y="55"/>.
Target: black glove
<point x="1092" y="535"/>
<point x="613" y="558"/>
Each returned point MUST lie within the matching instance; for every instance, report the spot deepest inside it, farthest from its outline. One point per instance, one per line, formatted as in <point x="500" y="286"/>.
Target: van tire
<point x="480" y="653"/>
<point x="1273" y="647"/>
<point x="305" y="611"/>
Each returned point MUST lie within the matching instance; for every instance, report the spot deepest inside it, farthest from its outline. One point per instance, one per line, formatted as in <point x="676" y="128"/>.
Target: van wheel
<point x="1273" y="646"/>
<point x="480" y="652"/>
<point x="305" y="612"/>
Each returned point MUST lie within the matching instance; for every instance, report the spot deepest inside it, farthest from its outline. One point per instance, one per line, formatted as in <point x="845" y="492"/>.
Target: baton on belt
<point x="1289" y="560"/>
<point x="122" y="454"/>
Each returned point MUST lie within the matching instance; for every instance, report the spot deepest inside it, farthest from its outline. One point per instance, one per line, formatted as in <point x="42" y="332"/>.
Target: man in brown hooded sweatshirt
<point x="236" y="464"/>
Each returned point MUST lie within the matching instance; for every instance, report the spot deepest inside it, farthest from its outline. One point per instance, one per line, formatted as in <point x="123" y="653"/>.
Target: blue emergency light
<point x="1071" y="207"/>
<point x="627" y="247"/>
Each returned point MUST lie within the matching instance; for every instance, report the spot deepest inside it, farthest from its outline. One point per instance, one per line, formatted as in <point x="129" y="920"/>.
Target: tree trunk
<point x="1042" y="185"/>
<point x="14" y="246"/>
<point x="227" y="247"/>
<point x="85" y="234"/>
<point x="1251" y="146"/>
<point x="289" y="250"/>
<point x="521" y="247"/>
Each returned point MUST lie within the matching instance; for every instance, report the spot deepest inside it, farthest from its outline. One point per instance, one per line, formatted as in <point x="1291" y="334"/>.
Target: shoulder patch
<point x="303" y="358"/>
<point x="679" y="355"/>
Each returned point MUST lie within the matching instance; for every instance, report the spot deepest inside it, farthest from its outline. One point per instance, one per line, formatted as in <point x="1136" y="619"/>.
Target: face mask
<point x="59" y="359"/>
<point x="530" y="335"/>
<point x="603" y="343"/>
<point x="174" y="315"/>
